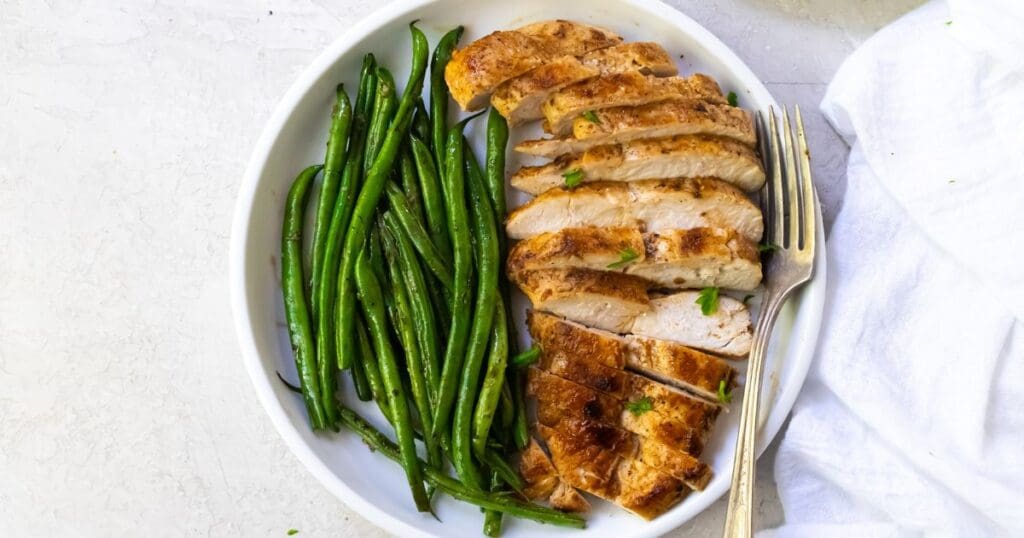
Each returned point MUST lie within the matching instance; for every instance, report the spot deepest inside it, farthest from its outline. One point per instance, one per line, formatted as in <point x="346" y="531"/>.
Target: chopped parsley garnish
<point x="948" y="23"/>
<point x="640" y="406"/>
<point x="708" y="301"/>
<point x="724" y="396"/>
<point x="591" y="117"/>
<point x="625" y="257"/>
<point x="767" y="247"/>
<point x="292" y="532"/>
<point x="747" y="298"/>
<point x="527" y="357"/>
<point x="732" y="98"/>
<point x="573" y="177"/>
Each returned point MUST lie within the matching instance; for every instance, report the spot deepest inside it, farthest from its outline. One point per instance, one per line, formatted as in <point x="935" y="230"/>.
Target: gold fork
<point x="789" y="210"/>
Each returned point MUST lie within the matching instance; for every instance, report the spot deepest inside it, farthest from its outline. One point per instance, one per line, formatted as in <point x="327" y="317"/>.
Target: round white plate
<point x="295" y="137"/>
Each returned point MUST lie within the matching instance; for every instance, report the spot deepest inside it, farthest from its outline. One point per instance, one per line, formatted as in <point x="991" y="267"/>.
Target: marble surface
<point x="124" y="406"/>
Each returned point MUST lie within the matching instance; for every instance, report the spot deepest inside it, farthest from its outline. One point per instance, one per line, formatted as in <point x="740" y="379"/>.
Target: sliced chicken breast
<point x="654" y="206"/>
<point x="695" y="258"/>
<point x="625" y="481"/>
<point x="678" y="318"/>
<point x="558" y="398"/>
<point x="520" y="99"/>
<point x="669" y="362"/>
<point x="478" y="68"/>
<point x="623" y="89"/>
<point x="619" y="303"/>
<point x="539" y="476"/>
<point x="567" y="499"/>
<point x="614" y="300"/>
<point x="676" y="156"/>
<point x="656" y="120"/>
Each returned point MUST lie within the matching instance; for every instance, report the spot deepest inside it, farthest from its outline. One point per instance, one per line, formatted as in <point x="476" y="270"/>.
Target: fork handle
<point x="739" y="518"/>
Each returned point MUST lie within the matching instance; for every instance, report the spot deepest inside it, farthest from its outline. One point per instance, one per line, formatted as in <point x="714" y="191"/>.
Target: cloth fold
<point x="912" y="418"/>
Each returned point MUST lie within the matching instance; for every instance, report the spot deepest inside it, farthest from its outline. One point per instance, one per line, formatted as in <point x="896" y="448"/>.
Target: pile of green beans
<point x="405" y="289"/>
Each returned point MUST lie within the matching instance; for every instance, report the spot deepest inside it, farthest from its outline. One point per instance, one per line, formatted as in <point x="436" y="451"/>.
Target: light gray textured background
<point x="124" y="130"/>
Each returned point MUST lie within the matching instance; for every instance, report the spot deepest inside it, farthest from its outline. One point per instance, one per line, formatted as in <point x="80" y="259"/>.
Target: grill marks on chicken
<point x="672" y="259"/>
<point x="519" y="99"/>
<point x="654" y="206"/>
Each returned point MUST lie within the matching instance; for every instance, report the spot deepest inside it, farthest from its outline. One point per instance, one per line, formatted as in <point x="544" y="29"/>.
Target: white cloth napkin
<point x="911" y="421"/>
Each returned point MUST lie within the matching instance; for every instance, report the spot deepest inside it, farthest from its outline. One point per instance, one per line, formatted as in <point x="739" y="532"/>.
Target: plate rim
<point x="806" y="324"/>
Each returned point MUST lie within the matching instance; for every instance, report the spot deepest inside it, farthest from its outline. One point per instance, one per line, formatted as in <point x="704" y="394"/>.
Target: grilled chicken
<point x="478" y="68"/>
<point x="558" y="398"/>
<point x="656" y="120"/>
<point x="539" y="476"/>
<point x="623" y="89"/>
<point x="619" y="303"/>
<point x="567" y="499"/>
<point x="671" y="363"/>
<point x="655" y="206"/>
<point x="588" y="460"/>
<point x="676" y="156"/>
<point x="520" y="98"/>
<point x="695" y="258"/>
<point x="678" y="318"/>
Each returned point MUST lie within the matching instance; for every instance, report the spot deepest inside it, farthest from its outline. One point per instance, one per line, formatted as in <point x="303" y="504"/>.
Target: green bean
<point x="334" y="162"/>
<point x="507" y="407"/>
<point x="504" y="470"/>
<point x="326" y="289"/>
<point x="422" y="313"/>
<point x="293" y="286"/>
<point x="379" y="443"/>
<point x="414" y="228"/>
<point x="369" y="196"/>
<point x="433" y="198"/>
<point x="359" y="379"/>
<point x="384" y="103"/>
<point x="462" y="293"/>
<point x="526" y="358"/>
<point x="439" y="95"/>
<point x="487" y="295"/>
<point x="492" y="518"/>
<point x="411" y="183"/>
<point x="421" y="122"/>
<point x="370" y="297"/>
<point x="497" y="141"/>
<point x="406" y="329"/>
<point x="371" y="369"/>
<point x="494" y="380"/>
<point x="520" y="430"/>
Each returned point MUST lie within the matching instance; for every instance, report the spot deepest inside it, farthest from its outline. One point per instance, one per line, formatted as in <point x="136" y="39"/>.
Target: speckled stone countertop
<point x="124" y="405"/>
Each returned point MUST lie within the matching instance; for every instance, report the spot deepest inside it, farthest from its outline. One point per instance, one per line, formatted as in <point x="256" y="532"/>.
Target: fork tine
<point x="792" y="215"/>
<point x="766" y="191"/>
<point x="775" y="233"/>
<point x="807" y="186"/>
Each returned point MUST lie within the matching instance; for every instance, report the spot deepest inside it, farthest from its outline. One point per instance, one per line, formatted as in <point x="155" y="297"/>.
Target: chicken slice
<point x="478" y="68"/>
<point x="656" y="120"/>
<point x="630" y="88"/>
<point x="668" y="362"/>
<point x="614" y="300"/>
<point x="695" y="258"/>
<point x="678" y="318"/>
<point x="675" y="156"/>
<point x="558" y="398"/>
<point x="567" y="499"/>
<point x="539" y="477"/>
<point x="520" y="99"/>
<point x="620" y="303"/>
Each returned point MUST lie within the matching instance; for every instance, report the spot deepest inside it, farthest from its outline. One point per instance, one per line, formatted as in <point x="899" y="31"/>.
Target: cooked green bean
<point x="369" y="196"/>
<point x="406" y="328"/>
<point x="293" y="286"/>
<point x="439" y="95"/>
<point x="378" y="442"/>
<point x="411" y="183"/>
<point x="520" y="430"/>
<point x="400" y="205"/>
<point x="359" y="379"/>
<point x="462" y="292"/>
<point x="423" y="314"/>
<point x="497" y="141"/>
<point x="368" y="362"/>
<point x="494" y="380"/>
<point x="421" y="122"/>
<point x="384" y="103"/>
<point x="370" y="296"/>
<point x="492" y="518"/>
<point x="433" y="198"/>
<point x="484" y="312"/>
<point x="334" y="162"/>
<point x="504" y="470"/>
<point x="507" y="407"/>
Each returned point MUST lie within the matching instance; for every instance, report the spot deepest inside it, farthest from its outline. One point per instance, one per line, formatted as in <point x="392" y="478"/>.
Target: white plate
<point x="295" y="137"/>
